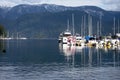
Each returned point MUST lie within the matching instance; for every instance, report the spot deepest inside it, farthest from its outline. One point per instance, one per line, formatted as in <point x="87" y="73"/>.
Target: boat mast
<point x="114" y="26"/>
<point x="68" y="25"/>
<point x="73" y="24"/>
<point x="90" y="25"/>
<point x="98" y="29"/>
<point x="89" y="32"/>
<point x="100" y="24"/>
<point x="82" y="27"/>
<point x="118" y="25"/>
<point x="84" y="24"/>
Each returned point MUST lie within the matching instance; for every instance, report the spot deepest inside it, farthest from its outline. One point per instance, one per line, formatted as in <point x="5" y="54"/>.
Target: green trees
<point x="2" y="31"/>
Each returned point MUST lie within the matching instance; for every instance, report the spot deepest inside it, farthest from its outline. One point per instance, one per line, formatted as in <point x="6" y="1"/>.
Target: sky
<point x="113" y="5"/>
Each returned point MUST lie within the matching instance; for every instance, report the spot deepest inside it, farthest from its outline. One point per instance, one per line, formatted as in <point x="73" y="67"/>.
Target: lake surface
<point x="48" y="60"/>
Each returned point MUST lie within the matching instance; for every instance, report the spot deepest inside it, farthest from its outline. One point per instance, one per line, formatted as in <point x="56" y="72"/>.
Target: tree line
<point x="2" y="31"/>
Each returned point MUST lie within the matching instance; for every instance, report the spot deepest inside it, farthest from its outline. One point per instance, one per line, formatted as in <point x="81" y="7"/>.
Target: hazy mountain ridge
<point x="19" y="10"/>
<point x="48" y="20"/>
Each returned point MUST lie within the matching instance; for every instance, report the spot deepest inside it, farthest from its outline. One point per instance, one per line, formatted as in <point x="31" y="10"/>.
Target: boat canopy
<point x="89" y="38"/>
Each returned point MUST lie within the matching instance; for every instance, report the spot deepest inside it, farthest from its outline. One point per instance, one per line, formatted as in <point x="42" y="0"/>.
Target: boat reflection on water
<point x="107" y="48"/>
<point x="91" y="56"/>
<point x="69" y="51"/>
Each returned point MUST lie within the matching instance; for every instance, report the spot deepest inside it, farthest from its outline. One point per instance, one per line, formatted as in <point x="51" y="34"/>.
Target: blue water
<point x="48" y="60"/>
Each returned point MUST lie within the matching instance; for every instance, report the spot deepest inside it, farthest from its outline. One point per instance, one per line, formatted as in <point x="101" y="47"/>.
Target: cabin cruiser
<point x="63" y="37"/>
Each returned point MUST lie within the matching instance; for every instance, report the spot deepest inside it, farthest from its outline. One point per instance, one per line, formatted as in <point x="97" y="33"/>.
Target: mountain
<point x="48" y="20"/>
<point x="19" y="10"/>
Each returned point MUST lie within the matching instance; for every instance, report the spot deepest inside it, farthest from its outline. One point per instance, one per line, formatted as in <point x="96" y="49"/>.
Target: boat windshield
<point x="66" y="35"/>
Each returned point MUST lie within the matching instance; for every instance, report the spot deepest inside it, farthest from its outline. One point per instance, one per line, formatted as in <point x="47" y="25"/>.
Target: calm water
<point x="48" y="60"/>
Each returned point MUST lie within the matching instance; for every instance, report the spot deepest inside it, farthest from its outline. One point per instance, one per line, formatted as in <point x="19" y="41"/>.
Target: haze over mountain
<point x="48" y="20"/>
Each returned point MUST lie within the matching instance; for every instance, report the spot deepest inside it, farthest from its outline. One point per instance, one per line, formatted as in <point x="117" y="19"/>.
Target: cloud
<point x="60" y="2"/>
<point x="112" y="4"/>
<point x="6" y="3"/>
<point x="73" y="2"/>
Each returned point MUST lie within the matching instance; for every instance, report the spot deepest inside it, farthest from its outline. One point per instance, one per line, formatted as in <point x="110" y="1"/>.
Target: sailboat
<point x="67" y="37"/>
<point x="115" y="39"/>
<point x="80" y="41"/>
<point x="72" y="38"/>
<point x="90" y="39"/>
